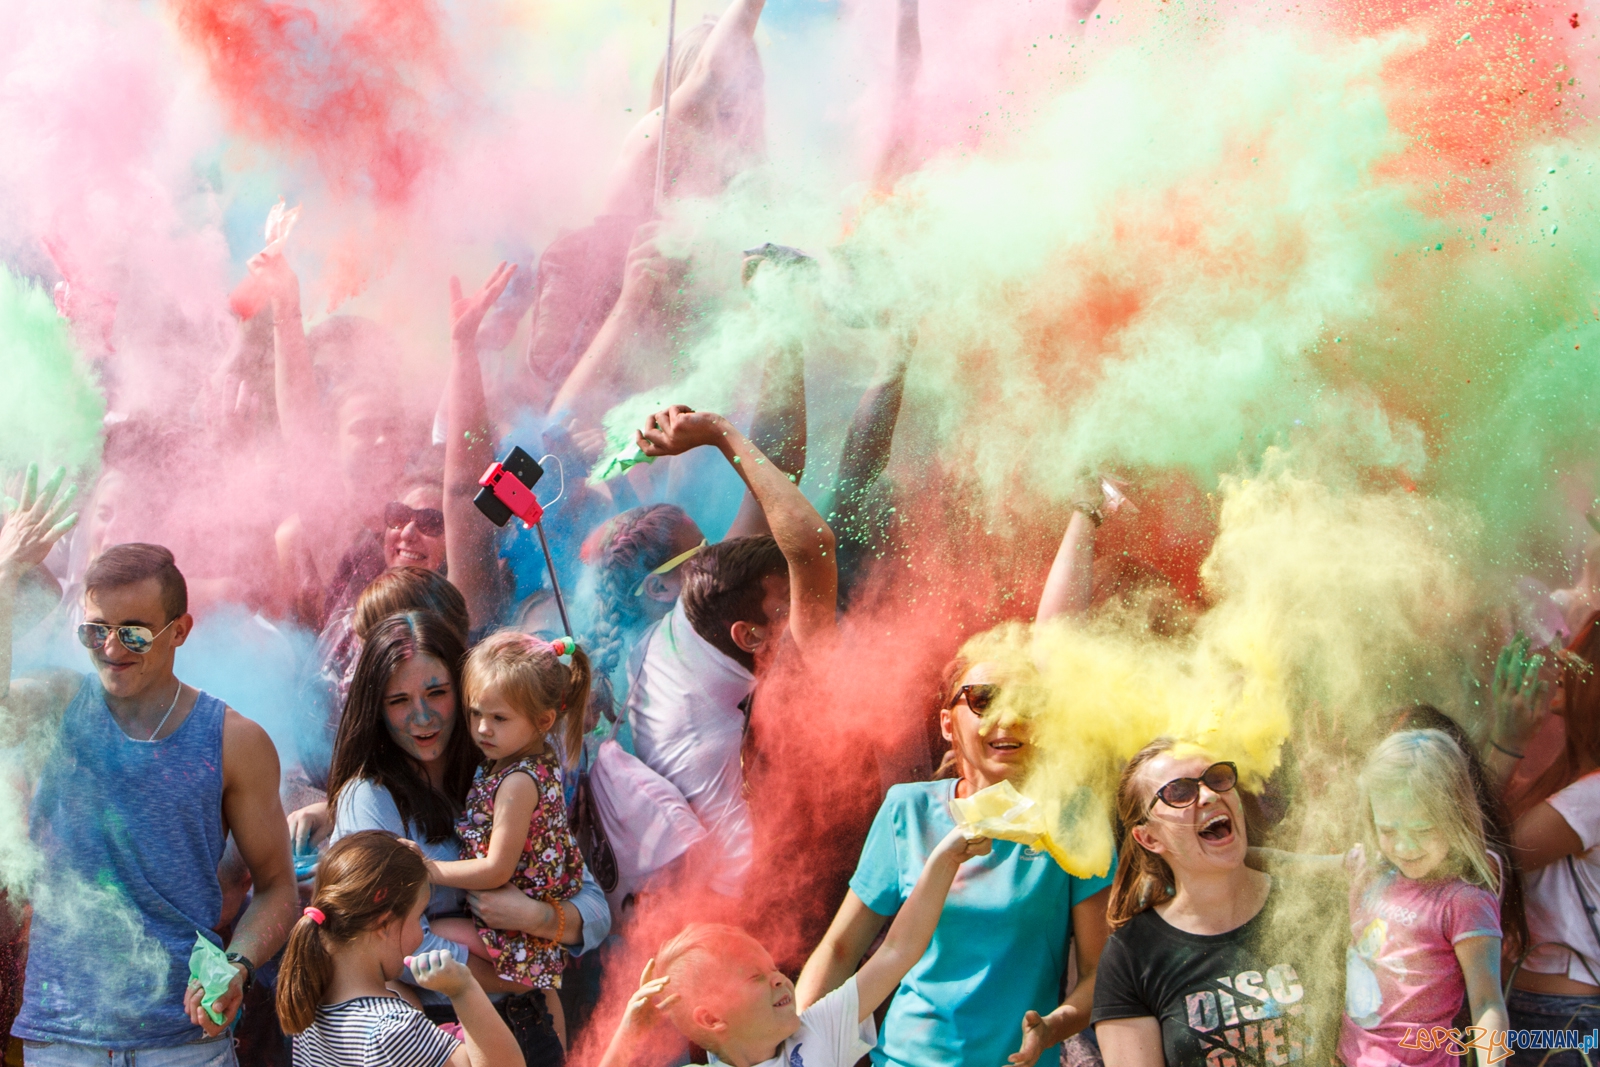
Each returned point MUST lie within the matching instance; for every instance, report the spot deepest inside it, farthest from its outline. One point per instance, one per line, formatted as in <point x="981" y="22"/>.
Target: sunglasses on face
<point x="136" y="639"/>
<point x="1182" y="792"/>
<point x="978" y="697"/>
<point x="430" y="521"/>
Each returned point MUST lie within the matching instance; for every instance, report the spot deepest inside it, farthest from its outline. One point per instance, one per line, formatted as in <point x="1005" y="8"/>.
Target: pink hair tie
<point x="563" y="646"/>
<point x="315" y="915"/>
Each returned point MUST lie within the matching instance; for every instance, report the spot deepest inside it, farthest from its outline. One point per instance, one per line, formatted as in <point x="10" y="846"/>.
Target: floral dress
<point x="551" y="868"/>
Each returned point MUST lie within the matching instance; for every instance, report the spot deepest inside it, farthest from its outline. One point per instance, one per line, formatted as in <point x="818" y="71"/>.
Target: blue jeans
<point x="212" y="1052"/>
<point x="1549" y="1011"/>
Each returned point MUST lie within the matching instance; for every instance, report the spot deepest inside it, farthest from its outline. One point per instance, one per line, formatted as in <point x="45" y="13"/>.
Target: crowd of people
<point x="505" y="839"/>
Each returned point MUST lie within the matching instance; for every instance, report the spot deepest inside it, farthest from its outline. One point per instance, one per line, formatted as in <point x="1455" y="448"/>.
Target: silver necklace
<point x="167" y="716"/>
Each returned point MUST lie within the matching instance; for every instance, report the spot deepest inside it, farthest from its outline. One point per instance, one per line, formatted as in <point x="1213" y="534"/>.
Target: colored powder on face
<point x="50" y="409"/>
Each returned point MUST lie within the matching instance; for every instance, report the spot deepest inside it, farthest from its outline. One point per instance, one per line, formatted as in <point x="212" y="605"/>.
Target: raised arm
<point x="778" y="430"/>
<point x="914" y="924"/>
<point x="292" y="380"/>
<point x="1069" y="586"/>
<point x="514" y="805"/>
<point x="695" y="98"/>
<point x="601" y="372"/>
<point x="896" y="159"/>
<point x="840" y="952"/>
<point x="468" y="451"/>
<point x="29" y="530"/>
<point x="804" y="538"/>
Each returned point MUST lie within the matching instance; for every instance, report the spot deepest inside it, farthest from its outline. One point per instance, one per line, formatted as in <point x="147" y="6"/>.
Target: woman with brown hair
<point x="403" y="764"/>
<point x="1555" y="838"/>
<point x="1195" y="965"/>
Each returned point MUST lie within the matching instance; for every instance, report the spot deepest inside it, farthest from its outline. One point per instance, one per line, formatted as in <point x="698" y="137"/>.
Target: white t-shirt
<point x="683" y="705"/>
<point x="1555" y="912"/>
<point x="372" y="1032"/>
<point x="832" y="1034"/>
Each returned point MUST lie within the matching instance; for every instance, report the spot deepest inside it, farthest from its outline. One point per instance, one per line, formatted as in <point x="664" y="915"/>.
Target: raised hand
<point x="1517" y="695"/>
<point x="466" y="313"/>
<point x="647" y="273"/>
<point x="644" y="1010"/>
<point x="958" y="848"/>
<point x="678" y="429"/>
<point x="34" y="522"/>
<point x="439" y="971"/>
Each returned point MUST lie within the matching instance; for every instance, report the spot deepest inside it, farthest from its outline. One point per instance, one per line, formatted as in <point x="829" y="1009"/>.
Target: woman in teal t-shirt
<point x="989" y="987"/>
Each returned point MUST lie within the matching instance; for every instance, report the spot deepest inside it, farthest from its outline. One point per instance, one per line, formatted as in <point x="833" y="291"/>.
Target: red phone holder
<point x="509" y="490"/>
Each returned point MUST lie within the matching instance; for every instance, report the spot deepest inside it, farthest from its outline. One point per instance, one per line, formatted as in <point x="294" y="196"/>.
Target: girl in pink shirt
<point x="1424" y="910"/>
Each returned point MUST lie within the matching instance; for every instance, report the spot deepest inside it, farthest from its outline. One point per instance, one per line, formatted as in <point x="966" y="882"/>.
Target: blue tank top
<point x="130" y="835"/>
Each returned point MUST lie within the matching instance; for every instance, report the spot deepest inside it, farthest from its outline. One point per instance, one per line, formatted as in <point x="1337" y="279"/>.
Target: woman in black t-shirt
<point x="1197" y="972"/>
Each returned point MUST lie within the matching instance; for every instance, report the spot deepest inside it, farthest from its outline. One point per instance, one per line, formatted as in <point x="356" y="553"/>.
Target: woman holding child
<point x="404" y="763"/>
<point x="999" y="954"/>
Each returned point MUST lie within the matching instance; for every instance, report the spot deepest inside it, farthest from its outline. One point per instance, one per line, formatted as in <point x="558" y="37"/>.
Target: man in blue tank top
<point x="144" y="781"/>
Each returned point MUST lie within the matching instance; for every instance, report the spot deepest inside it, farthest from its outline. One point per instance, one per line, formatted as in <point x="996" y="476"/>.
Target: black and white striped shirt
<point x="372" y="1032"/>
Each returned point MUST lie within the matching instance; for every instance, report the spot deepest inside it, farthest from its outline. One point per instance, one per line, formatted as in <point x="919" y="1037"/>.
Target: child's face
<point x="402" y="937"/>
<point x="758" y="1000"/>
<point x="1406" y="836"/>
<point x="501" y="731"/>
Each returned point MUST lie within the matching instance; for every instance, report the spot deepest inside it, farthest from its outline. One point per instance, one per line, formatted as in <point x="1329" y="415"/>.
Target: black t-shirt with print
<point x="1237" y="999"/>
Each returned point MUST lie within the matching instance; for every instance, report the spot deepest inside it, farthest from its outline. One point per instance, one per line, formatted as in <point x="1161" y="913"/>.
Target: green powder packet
<point x="631" y="456"/>
<point x="209" y="966"/>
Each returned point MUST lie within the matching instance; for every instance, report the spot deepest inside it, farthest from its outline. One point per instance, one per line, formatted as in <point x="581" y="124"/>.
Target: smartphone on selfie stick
<point x="508" y="491"/>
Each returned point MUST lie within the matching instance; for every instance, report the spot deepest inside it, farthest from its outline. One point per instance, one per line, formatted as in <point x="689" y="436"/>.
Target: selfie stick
<point x="666" y="101"/>
<point x="517" y="498"/>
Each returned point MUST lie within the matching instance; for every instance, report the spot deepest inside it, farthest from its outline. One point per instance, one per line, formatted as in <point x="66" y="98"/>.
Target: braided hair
<point x="631" y="545"/>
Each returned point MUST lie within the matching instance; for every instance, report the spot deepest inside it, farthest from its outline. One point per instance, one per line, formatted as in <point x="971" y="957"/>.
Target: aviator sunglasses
<point x="978" y="697"/>
<point x="136" y="639"/>
<point x="1182" y="792"/>
<point x="430" y="521"/>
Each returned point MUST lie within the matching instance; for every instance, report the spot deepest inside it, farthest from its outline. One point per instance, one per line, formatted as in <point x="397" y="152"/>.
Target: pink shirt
<point x="1401" y="970"/>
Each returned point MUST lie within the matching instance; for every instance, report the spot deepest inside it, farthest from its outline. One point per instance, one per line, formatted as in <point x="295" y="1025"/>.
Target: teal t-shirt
<point x="1001" y="945"/>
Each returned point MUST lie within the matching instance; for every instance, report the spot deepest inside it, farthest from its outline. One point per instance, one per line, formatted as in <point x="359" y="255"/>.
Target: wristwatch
<point x="249" y="969"/>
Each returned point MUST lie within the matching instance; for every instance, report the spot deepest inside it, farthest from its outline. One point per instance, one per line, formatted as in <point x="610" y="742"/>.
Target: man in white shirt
<point x="740" y="597"/>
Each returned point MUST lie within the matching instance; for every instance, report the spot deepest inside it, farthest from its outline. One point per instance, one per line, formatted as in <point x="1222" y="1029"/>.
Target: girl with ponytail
<point x="364" y="921"/>
<point x="525" y="709"/>
<point x="636" y="563"/>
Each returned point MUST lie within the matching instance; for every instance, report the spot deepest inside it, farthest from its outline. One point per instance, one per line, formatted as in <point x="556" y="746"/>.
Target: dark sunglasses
<point x="978" y="697"/>
<point x="136" y="639"/>
<point x="1182" y="792"/>
<point x="430" y="521"/>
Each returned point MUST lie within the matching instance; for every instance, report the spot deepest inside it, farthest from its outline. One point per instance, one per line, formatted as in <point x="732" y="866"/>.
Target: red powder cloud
<point x="352" y="84"/>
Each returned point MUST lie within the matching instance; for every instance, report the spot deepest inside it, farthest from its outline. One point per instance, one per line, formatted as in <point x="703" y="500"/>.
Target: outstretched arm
<point x="468" y="451"/>
<point x="840" y="952"/>
<point x="804" y="538"/>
